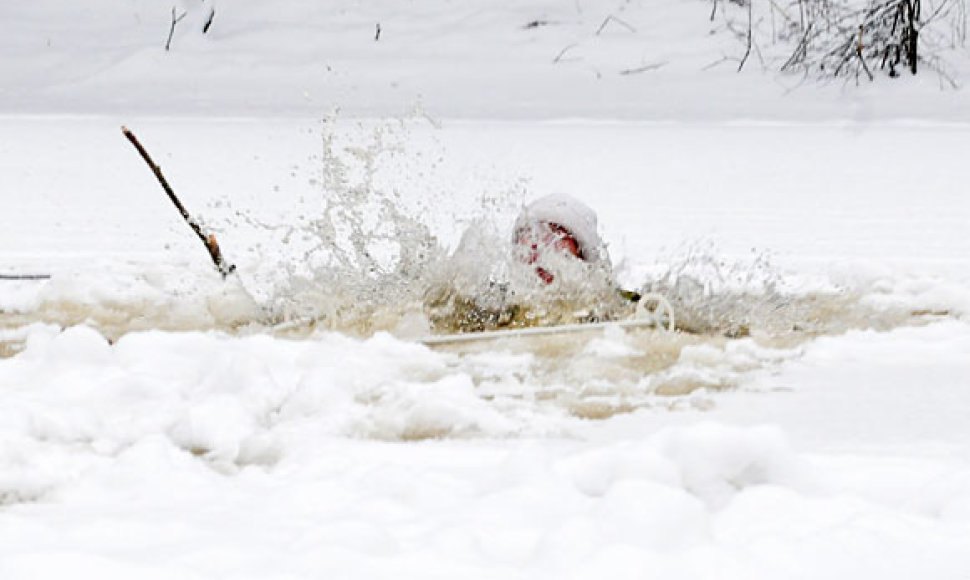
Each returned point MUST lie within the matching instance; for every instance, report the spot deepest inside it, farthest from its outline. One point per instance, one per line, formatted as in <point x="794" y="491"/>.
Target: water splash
<point x="374" y="251"/>
<point x="737" y="298"/>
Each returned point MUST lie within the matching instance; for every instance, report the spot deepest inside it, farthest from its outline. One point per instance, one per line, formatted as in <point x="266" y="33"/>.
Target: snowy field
<point x="809" y="419"/>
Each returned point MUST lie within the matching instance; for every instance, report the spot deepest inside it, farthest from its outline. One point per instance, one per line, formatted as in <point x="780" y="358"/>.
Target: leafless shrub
<point x="838" y="40"/>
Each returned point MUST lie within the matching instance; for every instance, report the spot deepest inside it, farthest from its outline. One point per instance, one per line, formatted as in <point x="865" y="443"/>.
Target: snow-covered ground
<point x="154" y="423"/>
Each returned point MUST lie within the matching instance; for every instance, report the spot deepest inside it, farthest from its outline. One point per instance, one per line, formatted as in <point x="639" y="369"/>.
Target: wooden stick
<point x="208" y="239"/>
<point x="25" y="276"/>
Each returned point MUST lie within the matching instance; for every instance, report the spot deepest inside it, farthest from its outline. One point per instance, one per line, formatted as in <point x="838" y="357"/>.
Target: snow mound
<point x="257" y="400"/>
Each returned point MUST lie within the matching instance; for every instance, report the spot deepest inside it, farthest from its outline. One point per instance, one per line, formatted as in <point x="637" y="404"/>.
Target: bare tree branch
<point x="642" y="69"/>
<point x="171" y="30"/>
<point x="208" y="239"/>
<point x="563" y="52"/>
<point x="612" y="18"/>
<point x="535" y="24"/>
<point x="747" y="51"/>
<point x="208" y="20"/>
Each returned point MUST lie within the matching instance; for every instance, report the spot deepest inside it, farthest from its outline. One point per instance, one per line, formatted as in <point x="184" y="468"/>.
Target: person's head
<point x="560" y="225"/>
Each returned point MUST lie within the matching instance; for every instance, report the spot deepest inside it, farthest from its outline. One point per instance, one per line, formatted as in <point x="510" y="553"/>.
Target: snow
<point x="159" y="422"/>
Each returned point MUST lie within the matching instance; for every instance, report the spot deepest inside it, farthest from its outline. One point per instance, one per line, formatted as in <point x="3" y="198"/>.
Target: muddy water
<point x="592" y="374"/>
<point x="598" y="374"/>
<point x="116" y="318"/>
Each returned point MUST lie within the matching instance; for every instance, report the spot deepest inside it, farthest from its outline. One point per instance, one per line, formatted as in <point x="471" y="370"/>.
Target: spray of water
<point x="370" y="257"/>
<point x="373" y="256"/>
